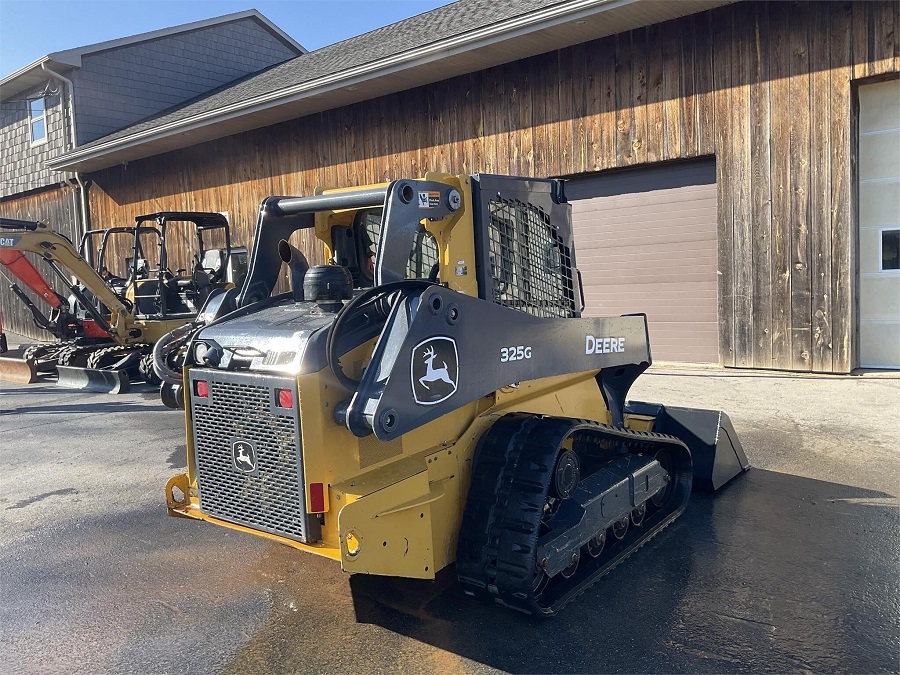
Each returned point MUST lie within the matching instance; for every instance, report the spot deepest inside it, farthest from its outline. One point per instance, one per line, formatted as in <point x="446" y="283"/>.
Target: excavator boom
<point x="20" y="267"/>
<point x="59" y="252"/>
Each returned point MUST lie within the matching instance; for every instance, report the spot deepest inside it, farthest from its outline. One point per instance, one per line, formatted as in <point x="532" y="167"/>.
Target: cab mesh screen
<point x="531" y="268"/>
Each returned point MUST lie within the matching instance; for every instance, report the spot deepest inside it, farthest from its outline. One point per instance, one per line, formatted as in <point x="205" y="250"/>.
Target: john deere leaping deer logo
<point x="243" y="456"/>
<point x="434" y="370"/>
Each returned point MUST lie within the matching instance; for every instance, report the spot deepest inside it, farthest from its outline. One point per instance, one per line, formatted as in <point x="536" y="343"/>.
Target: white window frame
<point x="40" y="118"/>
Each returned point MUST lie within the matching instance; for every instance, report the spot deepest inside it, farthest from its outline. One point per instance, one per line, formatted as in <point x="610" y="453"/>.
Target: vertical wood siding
<point x="766" y="88"/>
<point x="56" y="206"/>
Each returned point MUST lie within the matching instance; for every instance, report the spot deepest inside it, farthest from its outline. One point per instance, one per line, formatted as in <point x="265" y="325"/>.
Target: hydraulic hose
<point x="161" y="351"/>
<point x="369" y="296"/>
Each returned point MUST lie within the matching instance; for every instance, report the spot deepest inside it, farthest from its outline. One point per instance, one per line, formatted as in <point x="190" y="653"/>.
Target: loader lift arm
<point x="386" y="400"/>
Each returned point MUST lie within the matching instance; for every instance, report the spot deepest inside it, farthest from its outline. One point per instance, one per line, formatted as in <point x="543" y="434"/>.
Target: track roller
<point x="556" y="503"/>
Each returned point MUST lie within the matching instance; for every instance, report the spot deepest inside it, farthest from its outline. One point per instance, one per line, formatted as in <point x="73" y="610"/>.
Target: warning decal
<point x="429" y="199"/>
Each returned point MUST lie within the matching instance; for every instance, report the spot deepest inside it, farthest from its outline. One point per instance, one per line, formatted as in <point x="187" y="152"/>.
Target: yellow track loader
<point x="123" y="316"/>
<point x="433" y="396"/>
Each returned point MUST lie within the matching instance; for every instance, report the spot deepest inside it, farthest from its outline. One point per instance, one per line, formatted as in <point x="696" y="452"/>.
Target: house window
<point x="890" y="250"/>
<point x="38" y="120"/>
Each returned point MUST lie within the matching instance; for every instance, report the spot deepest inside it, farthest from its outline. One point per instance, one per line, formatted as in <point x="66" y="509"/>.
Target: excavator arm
<point x="60" y="253"/>
<point x="20" y="267"/>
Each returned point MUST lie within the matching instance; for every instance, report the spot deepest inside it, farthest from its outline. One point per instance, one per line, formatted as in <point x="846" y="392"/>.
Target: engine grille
<point x="240" y="409"/>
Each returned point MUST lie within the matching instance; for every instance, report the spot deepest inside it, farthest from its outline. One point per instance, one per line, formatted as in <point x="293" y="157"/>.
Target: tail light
<point x="284" y="398"/>
<point x="317" y="498"/>
<point x="201" y="389"/>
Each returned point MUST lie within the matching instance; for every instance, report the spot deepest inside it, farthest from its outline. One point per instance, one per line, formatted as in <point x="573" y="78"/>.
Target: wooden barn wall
<point x="766" y="88"/>
<point x="56" y="206"/>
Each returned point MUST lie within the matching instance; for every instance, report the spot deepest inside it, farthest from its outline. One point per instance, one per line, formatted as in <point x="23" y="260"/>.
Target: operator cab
<point x="355" y="247"/>
<point x="178" y="259"/>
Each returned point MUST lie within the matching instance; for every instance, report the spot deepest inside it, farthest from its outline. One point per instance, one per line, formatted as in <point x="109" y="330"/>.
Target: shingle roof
<point x="444" y="22"/>
<point x="456" y="38"/>
<point x="29" y="75"/>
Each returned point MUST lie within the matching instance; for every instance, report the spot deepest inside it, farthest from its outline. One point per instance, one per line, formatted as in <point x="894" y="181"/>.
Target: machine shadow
<point x="706" y="594"/>
<point x="147" y="400"/>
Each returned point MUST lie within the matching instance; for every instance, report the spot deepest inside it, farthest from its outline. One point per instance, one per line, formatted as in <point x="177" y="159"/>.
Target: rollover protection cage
<point x="526" y="251"/>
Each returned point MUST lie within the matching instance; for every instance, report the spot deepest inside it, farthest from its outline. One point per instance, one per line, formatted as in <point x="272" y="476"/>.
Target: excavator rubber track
<point x="145" y="370"/>
<point x="108" y="356"/>
<point x="42" y="357"/>
<point x="83" y="367"/>
<point x="511" y="517"/>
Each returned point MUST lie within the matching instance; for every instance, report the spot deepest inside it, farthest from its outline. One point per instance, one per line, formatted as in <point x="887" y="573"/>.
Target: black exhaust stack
<point x="298" y="265"/>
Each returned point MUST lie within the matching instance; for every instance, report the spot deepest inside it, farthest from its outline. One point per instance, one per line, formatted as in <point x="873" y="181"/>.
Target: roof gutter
<point x="514" y="27"/>
<point x="24" y="69"/>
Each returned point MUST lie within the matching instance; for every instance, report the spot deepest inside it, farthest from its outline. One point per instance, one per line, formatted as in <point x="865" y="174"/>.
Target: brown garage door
<point x="646" y="242"/>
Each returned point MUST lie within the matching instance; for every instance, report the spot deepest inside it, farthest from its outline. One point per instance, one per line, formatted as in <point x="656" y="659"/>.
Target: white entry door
<point x="879" y="225"/>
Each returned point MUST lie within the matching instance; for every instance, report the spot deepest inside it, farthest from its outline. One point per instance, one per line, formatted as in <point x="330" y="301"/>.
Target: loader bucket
<point x="94" y="379"/>
<point x="17" y="370"/>
<point x="715" y="448"/>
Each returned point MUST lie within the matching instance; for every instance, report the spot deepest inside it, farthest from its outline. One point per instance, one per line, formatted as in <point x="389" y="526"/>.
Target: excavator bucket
<point x="716" y="451"/>
<point x="17" y="370"/>
<point x="94" y="379"/>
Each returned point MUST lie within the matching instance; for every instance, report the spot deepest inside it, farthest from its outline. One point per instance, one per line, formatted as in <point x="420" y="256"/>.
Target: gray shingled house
<point x="733" y="166"/>
<point x="68" y="99"/>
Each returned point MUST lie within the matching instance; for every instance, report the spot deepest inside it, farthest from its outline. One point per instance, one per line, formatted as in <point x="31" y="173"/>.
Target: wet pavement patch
<point x="178" y="458"/>
<point x="774" y="574"/>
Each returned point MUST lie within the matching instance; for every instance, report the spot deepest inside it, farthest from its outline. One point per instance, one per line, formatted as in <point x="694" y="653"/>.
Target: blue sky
<point x="30" y="29"/>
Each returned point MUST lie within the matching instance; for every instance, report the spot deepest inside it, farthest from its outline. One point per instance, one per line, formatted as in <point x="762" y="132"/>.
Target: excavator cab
<point x="178" y="258"/>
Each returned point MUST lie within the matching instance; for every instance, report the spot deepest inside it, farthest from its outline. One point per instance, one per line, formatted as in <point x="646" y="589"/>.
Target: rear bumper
<point x="181" y="505"/>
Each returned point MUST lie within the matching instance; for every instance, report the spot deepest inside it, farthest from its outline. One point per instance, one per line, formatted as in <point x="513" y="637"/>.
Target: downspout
<point x="82" y="214"/>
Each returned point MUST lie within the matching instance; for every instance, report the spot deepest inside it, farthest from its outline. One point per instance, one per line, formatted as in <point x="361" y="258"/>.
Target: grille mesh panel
<point x="530" y="265"/>
<point x="271" y="499"/>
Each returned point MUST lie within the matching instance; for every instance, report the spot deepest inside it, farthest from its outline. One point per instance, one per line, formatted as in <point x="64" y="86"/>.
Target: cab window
<point x="423" y="255"/>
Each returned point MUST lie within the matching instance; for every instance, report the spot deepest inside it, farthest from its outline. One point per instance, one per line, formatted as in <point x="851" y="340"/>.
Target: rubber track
<point x="41" y="357"/>
<point x="512" y="470"/>
<point x="95" y="359"/>
<point x="74" y="355"/>
<point x="145" y="368"/>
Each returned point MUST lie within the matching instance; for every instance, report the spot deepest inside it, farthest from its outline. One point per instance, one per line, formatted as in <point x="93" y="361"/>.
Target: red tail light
<point x="285" y="398"/>
<point x="317" y="498"/>
<point x="201" y="388"/>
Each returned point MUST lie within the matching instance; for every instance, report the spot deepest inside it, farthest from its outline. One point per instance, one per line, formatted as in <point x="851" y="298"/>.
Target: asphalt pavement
<point x="791" y="568"/>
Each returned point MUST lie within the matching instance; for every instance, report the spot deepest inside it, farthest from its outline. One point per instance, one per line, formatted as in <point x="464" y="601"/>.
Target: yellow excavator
<point x="433" y="396"/>
<point x="120" y="317"/>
